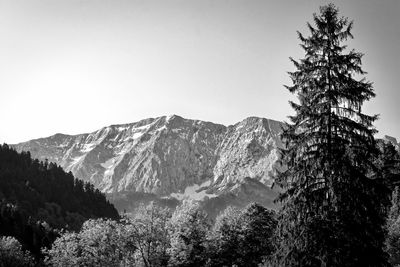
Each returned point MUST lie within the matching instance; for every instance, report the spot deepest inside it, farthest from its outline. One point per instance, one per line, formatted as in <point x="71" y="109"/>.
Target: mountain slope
<point x="248" y="149"/>
<point x="170" y="157"/>
<point x="166" y="154"/>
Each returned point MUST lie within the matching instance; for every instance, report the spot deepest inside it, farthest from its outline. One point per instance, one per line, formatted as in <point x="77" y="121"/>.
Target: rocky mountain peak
<point x="168" y="156"/>
<point x="174" y="157"/>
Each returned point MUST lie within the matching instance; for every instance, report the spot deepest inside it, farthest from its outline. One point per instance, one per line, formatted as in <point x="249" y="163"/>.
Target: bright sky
<point x="74" y="66"/>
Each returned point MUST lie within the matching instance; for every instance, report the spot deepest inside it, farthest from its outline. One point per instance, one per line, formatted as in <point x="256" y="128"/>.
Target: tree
<point x="188" y="230"/>
<point x="148" y="227"/>
<point x="242" y="238"/>
<point x="389" y="163"/>
<point x="99" y="243"/>
<point x="335" y="198"/>
<point x="393" y="224"/>
<point x="225" y="236"/>
<point x="11" y="253"/>
<point x="65" y="251"/>
<point x="257" y="227"/>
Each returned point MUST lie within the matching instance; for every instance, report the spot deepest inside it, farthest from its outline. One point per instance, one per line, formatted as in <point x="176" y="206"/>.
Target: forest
<point x="340" y="200"/>
<point x="38" y="198"/>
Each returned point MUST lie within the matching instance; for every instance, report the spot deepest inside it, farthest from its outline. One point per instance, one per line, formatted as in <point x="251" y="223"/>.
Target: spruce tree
<point x="334" y="199"/>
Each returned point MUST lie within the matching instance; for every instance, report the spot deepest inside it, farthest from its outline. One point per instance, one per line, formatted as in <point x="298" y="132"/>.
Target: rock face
<point x="248" y="149"/>
<point x="168" y="156"/>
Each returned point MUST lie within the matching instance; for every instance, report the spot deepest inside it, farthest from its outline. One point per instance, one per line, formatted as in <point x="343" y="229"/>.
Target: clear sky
<point x="74" y="66"/>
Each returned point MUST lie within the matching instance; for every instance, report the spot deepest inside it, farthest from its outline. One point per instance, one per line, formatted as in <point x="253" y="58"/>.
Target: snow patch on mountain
<point x="195" y="192"/>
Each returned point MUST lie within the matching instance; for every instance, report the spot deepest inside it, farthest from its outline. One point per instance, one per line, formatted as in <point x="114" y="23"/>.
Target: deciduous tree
<point x="12" y="254"/>
<point x="148" y="227"/>
<point x="188" y="230"/>
<point x="99" y="243"/>
<point x="242" y="237"/>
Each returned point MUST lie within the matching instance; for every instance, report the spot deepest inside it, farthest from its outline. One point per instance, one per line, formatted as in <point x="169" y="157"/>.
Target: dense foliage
<point x="12" y="254"/>
<point x="335" y="196"/>
<point x="393" y="224"/>
<point x="99" y="243"/>
<point x="148" y="227"/>
<point x="242" y="237"/>
<point x="156" y="237"/>
<point x="38" y="197"/>
<point x="390" y="160"/>
<point x="188" y="230"/>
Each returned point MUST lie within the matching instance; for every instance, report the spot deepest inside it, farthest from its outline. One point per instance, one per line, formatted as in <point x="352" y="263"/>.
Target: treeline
<point x="155" y="236"/>
<point x="39" y="198"/>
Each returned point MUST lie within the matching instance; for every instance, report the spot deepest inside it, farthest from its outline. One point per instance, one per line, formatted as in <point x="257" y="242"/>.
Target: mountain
<point x="171" y="157"/>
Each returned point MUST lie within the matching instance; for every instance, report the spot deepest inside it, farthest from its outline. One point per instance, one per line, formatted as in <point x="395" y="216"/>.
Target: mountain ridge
<point x="170" y="157"/>
<point x="167" y="154"/>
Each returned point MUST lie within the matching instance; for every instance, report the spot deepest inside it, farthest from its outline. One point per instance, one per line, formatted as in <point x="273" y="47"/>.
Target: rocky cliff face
<point x="169" y="156"/>
<point x="248" y="149"/>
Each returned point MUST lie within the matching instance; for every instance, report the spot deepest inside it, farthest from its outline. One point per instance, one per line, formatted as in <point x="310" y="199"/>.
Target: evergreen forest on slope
<point x="37" y="198"/>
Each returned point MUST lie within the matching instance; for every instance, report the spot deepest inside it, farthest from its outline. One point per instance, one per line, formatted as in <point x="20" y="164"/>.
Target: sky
<point x="74" y="66"/>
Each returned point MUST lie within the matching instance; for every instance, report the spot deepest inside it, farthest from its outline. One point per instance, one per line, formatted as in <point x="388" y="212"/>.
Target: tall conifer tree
<point x="334" y="200"/>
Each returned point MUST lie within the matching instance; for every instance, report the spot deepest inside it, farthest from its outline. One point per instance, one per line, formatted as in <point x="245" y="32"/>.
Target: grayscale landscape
<point x="199" y="133"/>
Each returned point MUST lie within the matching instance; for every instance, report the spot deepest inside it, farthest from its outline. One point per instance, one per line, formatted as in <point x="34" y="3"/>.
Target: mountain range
<point x="172" y="158"/>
